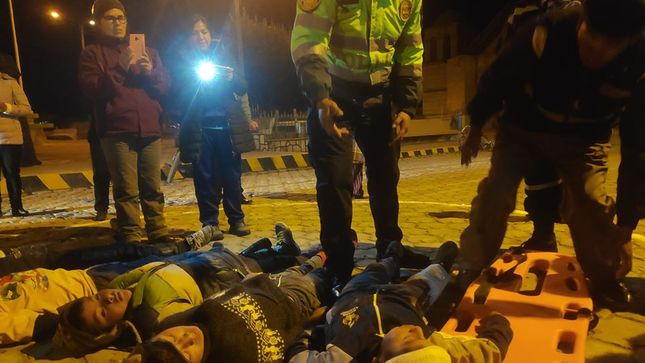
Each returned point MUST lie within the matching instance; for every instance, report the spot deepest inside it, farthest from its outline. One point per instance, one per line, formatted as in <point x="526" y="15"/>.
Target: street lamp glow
<point x="92" y="22"/>
<point x="54" y="14"/>
<point x="206" y="71"/>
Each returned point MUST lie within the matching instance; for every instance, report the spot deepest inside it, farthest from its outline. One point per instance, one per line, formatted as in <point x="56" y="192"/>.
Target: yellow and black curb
<point x="50" y="182"/>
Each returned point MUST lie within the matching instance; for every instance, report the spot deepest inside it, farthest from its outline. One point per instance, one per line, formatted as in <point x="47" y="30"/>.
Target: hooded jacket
<point x="14" y="98"/>
<point x="125" y="103"/>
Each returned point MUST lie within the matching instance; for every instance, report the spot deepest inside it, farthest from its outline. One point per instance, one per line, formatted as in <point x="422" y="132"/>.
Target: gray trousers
<point x="587" y="209"/>
<point x="134" y="166"/>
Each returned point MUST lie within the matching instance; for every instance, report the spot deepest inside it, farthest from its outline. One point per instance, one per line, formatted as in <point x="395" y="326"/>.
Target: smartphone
<point x="138" y="46"/>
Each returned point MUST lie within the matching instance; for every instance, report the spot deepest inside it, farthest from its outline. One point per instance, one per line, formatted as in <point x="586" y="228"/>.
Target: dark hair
<point x="194" y="19"/>
<point x="615" y="18"/>
<point x="74" y="315"/>
<point x="160" y="351"/>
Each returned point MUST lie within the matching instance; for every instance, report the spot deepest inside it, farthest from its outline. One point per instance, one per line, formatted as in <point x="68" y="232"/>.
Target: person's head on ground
<point x="607" y="29"/>
<point x="90" y="323"/>
<point x="100" y="312"/>
<point x="200" y="35"/>
<point x="110" y="17"/>
<point x="180" y="344"/>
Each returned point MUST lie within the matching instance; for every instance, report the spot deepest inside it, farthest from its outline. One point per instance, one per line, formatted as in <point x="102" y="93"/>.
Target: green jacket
<point x="160" y="290"/>
<point x="363" y="41"/>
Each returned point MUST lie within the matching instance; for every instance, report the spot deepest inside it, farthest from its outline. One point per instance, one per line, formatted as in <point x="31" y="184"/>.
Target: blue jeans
<point x="217" y="173"/>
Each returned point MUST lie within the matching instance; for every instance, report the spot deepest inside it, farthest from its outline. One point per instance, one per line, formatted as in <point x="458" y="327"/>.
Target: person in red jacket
<point x="124" y="93"/>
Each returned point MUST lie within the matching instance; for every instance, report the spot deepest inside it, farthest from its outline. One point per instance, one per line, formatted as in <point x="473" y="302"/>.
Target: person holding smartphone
<point x="215" y="130"/>
<point x="124" y="87"/>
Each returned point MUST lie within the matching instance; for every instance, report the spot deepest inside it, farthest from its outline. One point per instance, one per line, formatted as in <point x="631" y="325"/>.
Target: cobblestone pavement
<point x="435" y="194"/>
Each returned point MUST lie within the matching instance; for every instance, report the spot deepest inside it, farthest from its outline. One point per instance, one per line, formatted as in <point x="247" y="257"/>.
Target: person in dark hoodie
<point x="210" y="101"/>
<point x="125" y="93"/>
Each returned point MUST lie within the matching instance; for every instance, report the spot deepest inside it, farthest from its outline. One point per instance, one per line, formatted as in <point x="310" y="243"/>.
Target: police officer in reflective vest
<point x="562" y="83"/>
<point x="359" y="63"/>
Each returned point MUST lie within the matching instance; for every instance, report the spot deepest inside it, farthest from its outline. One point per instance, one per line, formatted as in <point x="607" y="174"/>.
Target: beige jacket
<point x="12" y="95"/>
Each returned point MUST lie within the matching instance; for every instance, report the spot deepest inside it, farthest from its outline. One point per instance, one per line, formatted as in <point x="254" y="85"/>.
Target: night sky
<point x="50" y="49"/>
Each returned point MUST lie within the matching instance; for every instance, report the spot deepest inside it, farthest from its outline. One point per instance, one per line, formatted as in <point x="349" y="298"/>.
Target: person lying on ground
<point x="29" y="300"/>
<point x="138" y="301"/>
<point x="374" y="319"/>
<point x="254" y="321"/>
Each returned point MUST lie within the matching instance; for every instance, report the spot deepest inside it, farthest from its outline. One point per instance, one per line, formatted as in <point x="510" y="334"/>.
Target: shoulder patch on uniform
<point x="308" y="5"/>
<point x="405" y="9"/>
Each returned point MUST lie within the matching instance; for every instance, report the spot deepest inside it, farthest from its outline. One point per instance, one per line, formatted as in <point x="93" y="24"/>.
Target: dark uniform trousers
<point x="370" y="119"/>
<point x="543" y="193"/>
<point x="581" y="161"/>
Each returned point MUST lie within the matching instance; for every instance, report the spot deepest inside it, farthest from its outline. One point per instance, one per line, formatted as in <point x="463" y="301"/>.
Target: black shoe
<point x="614" y="296"/>
<point x="446" y="255"/>
<point x="263" y="244"/>
<point x="19" y="212"/>
<point x="101" y="216"/>
<point x="246" y="200"/>
<point x="285" y="244"/>
<point x="541" y="242"/>
<point x="239" y="229"/>
<point x="405" y="256"/>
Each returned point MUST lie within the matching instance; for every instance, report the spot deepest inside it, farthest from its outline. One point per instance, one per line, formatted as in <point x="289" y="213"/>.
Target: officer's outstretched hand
<point x="470" y="147"/>
<point x="328" y="111"/>
<point x="401" y="124"/>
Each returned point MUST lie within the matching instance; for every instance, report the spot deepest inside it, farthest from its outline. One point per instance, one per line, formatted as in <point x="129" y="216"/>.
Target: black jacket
<point x="359" y="321"/>
<point x="540" y="84"/>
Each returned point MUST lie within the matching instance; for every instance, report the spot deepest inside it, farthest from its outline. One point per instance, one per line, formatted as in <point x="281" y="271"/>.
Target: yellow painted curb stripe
<point x="278" y="162"/>
<point x="254" y="164"/>
<point x="300" y="161"/>
<point x="53" y="181"/>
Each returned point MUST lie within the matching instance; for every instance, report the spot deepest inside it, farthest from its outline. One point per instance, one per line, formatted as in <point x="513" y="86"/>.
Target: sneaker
<point x="285" y="244"/>
<point x="446" y="255"/>
<point x="203" y="237"/>
<point x="246" y="200"/>
<point x="539" y="242"/>
<point x="239" y="229"/>
<point x="101" y="216"/>
<point x="263" y="244"/>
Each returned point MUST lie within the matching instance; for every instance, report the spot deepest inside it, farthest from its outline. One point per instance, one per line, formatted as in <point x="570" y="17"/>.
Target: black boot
<point x="15" y="198"/>
<point x="543" y="238"/>
<point x="446" y="255"/>
<point x="19" y="212"/>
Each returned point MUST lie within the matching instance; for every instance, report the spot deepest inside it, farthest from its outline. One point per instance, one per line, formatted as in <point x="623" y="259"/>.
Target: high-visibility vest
<point x="361" y="40"/>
